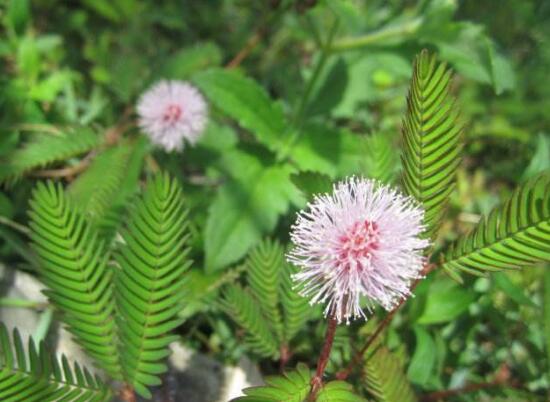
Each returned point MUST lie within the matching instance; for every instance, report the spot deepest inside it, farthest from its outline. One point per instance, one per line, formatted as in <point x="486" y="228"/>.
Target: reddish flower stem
<point x="343" y="374"/>
<point x="317" y="380"/>
<point x="127" y="393"/>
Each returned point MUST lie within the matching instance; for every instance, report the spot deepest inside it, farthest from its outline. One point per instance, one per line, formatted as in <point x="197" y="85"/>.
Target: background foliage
<point x="319" y="95"/>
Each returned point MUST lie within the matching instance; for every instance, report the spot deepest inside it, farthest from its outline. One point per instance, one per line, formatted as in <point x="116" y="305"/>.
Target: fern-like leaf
<point x="295" y="386"/>
<point x="73" y="264"/>
<point x="149" y="283"/>
<point x="384" y="378"/>
<point x="514" y="235"/>
<point x="44" y="149"/>
<point x="36" y="376"/>
<point x="431" y="140"/>
<point x="246" y="312"/>
<point x="94" y="190"/>
<point x="381" y="160"/>
<point x="264" y="270"/>
<point x="296" y="309"/>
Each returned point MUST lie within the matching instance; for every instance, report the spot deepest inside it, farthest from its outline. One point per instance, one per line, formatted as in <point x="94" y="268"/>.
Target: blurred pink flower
<point x="361" y="240"/>
<point x="171" y="112"/>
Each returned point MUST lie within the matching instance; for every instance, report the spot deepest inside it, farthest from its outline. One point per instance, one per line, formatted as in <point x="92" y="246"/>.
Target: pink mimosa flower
<point x="363" y="240"/>
<point x="171" y="112"/>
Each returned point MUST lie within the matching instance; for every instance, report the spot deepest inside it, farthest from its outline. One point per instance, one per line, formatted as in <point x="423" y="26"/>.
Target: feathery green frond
<point x="339" y="391"/>
<point x="381" y="160"/>
<point x="37" y="376"/>
<point x="264" y="265"/>
<point x="149" y="283"/>
<point x="44" y="149"/>
<point x="385" y="379"/>
<point x="94" y="190"/>
<point x="515" y="234"/>
<point x="73" y="264"/>
<point x="245" y="311"/>
<point x="431" y="139"/>
<point x="296" y="309"/>
<point x="293" y="386"/>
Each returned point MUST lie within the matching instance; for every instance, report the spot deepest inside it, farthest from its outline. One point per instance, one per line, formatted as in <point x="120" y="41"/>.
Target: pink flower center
<point x="358" y="244"/>
<point x="172" y="114"/>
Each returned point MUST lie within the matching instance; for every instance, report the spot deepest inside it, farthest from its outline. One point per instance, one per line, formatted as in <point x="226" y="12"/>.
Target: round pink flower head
<point x="171" y="112"/>
<point x="360" y="241"/>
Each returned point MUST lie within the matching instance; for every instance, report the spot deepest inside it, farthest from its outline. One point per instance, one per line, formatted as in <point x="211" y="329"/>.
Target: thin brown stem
<point x="251" y="43"/>
<point x="502" y="377"/>
<point x="343" y="374"/>
<point x="317" y="380"/>
<point x="285" y="357"/>
<point x="127" y="393"/>
<point x="66" y="172"/>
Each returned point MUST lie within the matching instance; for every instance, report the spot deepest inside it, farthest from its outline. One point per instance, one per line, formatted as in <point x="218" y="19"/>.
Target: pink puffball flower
<point x="171" y="112"/>
<point x="363" y="240"/>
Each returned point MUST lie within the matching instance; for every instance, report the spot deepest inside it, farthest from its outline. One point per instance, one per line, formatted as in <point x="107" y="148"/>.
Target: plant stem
<point x="402" y="30"/>
<point x="127" y="393"/>
<point x="317" y="380"/>
<point x="343" y="374"/>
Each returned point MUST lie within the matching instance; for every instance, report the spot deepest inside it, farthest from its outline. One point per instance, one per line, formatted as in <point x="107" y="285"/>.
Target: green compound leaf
<point x="294" y="386"/>
<point x="384" y="378"/>
<point x="246" y="312"/>
<point x="296" y="309"/>
<point x="431" y="140"/>
<point x="264" y="272"/>
<point x="73" y="264"/>
<point x="44" y="149"/>
<point x="514" y="235"/>
<point x="37" y="376"/>
<point x="149" y="284"/>
<point x="247" y="102"/>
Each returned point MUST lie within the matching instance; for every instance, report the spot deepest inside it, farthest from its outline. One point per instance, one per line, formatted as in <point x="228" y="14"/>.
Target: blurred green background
<point x="85" y="62"/>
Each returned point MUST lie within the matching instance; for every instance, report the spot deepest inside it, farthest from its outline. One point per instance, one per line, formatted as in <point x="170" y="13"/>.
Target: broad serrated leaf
<point x="73" y="264"/>
<point x="246" y="312"/>
<point x="189" y="60"/>
<point x="246" y="208"/>
<point x="43" y="149"/>
<point x="384" y="378"/>
<point x="338" y="391"/>
<point x="37" y="375"/>
<point x="513" y="235"/>
<point x="264" y="266"/>
<point x="247" y="102"/>
<point x="431" y="140"/>
<point x="149" y="283"/>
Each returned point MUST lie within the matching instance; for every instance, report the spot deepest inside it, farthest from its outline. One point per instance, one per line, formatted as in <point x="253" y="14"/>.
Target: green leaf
<point x="246" y="311"/>
<point x="296" y="309"/>
<point x="311" y="183"/>
<point x="541" y="158"/>
<point x="73" y="264"/>
<point x="264" y="266"/>
<point x="331" y="88"/>
<point x="149" y="284"/>
<point x="44" y="149"/>
<point x="246" y="207"/>
<point x="423" y="360"/>
<point x="384" y="378"/>
<point x="338" y="391"/>
<point x="244" y="100"/>
<point x="381" y="162"/>
<point x="515" y="234"/>
<point x="431" y="140"/>
<point x="189" y="60"/>
<point x="446" y="301"/>
<point x="103" y="190"/>
<point x="513" y="291"/>
<point x="38" y="376"/>
<point x="547" y="314"/>
<point x="293" y="386"/>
